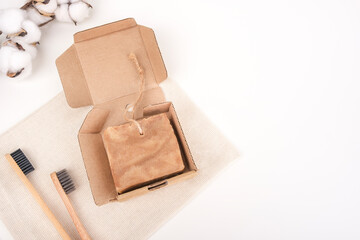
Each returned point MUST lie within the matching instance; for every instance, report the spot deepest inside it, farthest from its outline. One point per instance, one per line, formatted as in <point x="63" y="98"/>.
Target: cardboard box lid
<point x="96" y="68"/>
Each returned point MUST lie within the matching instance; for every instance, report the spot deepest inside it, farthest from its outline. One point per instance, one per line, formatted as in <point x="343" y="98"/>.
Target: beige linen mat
<point x="49" y="139"/>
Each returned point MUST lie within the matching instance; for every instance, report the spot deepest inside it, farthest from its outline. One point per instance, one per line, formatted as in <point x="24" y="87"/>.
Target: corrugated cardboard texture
<point x="96" y="69"/>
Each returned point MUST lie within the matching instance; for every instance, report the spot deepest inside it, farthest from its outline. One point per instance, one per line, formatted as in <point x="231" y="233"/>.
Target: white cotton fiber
<point x="62" y="1"/>
<point x="20" y="60"/>
<point x="74" y="1"/>
<point x="62" y="13"/>
<point x="33" y="32"/>
<point x="50" y="7"/>
<point x="31" y="49"/>
<point x="13" y="60"/>
<point x="79" y="11"/>
<point x="5" y="54"/>
<point x="11" y="19"/>
<point x="36" y="17"/>
<point x="25" y="73"/>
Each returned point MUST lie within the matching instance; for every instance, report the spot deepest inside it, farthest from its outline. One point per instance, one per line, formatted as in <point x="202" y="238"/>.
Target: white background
<point x="279" y="78"/>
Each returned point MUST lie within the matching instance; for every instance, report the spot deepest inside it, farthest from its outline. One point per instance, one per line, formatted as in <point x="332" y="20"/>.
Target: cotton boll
<point x="50" y="7"/>
<point x="62" y="1"/>
<point x="21" y="74"/>
<point x="20" y="63"/>
<point x="79" y="11"/>
<point x="36" y="17"/>
<point x="33" y="32"/>
<point x="62" y="13"/>
<point x="74" y="1"/>
<point x="11" y="19"/>
<point x="15" y="62"/>
<point x="5" y="54"/>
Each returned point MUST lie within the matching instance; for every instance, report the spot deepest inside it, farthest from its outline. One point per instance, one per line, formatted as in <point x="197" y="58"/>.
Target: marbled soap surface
<point x="136" y="159"/>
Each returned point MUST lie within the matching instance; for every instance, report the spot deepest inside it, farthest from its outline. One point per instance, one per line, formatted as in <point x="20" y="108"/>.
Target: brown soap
<point x="136" y="159"/>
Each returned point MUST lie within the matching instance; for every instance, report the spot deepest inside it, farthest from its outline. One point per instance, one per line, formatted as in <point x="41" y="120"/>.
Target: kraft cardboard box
<point x="96" y="71"/>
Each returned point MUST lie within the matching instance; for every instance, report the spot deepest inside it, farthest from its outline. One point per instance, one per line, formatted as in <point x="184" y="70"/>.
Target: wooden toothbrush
<point x="64" y="186"/>
<point x="22" y="166"/>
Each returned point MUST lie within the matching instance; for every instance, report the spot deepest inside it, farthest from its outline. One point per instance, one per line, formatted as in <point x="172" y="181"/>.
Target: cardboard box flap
<point x="154" y="53"/>
<point x="97" y="69"/>
<point x="104" y="30"/>
<point x="99" y="173"/>
<point x="73" y="79"/>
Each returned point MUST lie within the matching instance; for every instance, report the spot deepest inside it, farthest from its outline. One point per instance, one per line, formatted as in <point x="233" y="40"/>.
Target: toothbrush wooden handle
<point x="38" y="198"/>
<point x="78" y="224"/>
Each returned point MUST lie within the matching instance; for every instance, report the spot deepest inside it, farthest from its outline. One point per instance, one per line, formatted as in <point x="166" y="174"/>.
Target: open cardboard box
<point x="96" y="71"/>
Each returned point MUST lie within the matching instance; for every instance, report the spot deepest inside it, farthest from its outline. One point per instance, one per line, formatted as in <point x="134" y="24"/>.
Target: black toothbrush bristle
<point x="22" y="161"/>
<point x="65" y="181"/>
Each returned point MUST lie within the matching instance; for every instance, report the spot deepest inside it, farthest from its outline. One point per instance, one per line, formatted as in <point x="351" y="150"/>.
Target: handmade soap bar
<point x="136" y="159"/>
